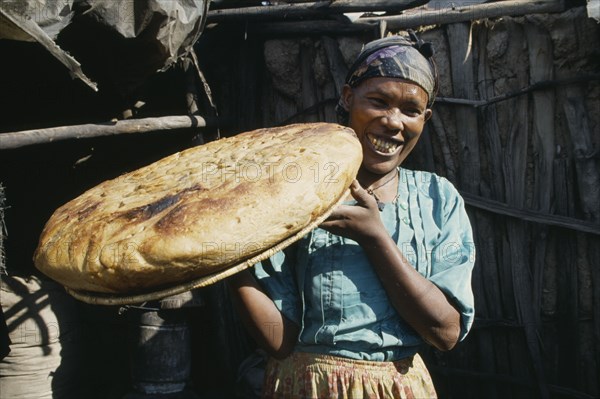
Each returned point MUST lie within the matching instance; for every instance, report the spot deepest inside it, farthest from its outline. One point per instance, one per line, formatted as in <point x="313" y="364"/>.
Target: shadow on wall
<point x="45" y="356"/>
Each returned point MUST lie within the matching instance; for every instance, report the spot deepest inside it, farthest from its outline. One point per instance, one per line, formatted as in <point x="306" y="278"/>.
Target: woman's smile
<point x="384" y="145"/>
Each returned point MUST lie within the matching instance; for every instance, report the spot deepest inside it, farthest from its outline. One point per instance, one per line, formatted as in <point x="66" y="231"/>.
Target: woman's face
<point x="388" y="115"/>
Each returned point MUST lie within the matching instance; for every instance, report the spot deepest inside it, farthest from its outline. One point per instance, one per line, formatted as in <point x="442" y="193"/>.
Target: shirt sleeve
<point x="276" y="277"/>
<point x="453" y="257"/>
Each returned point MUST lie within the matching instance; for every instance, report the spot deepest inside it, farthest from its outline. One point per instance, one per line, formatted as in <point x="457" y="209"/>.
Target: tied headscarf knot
<point x="425" y="48"/>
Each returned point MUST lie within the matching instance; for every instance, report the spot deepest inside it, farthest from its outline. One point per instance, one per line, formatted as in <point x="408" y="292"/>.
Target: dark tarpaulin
<point x="164" y="30"/>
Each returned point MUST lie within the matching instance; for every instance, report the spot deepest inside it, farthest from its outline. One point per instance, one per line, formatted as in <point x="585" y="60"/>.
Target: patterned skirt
<point x="308" y="375"/>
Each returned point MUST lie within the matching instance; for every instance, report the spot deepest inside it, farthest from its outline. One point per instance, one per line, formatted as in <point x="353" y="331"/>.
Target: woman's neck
<point x="384" y="186"/>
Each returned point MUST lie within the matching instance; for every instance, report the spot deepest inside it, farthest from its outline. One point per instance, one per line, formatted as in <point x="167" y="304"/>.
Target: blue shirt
<point x="327" y="286"/>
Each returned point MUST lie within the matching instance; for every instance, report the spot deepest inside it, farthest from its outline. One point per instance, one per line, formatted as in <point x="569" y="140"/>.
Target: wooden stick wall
<point x="521" y="142"/>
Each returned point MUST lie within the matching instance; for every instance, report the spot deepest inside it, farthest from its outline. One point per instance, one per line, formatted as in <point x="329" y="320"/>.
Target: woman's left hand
<point x="358" y="222"/>
<point x="417" y="300"/>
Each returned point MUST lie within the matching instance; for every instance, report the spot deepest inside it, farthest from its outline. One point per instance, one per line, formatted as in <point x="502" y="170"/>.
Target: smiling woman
<point x="343" y="312"/>
<point x="388" y="115"/>
<point x="386" y="100"/>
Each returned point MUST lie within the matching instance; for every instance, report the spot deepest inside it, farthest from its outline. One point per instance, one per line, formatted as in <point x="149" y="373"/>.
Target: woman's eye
<point x="413" y="112"/>
<point x="378" y="102"/>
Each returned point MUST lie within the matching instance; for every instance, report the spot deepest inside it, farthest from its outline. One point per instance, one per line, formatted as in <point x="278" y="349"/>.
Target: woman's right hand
<point x="361" y="222"/>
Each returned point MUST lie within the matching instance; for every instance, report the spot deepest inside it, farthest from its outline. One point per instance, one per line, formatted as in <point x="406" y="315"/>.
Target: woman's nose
<point x="393" y="120"/>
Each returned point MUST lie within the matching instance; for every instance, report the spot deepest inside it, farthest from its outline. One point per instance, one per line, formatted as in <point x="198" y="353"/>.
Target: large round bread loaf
<point x="200" y="210"/>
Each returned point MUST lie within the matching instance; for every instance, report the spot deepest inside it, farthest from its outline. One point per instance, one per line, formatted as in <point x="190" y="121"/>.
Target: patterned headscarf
<point x="395" y="57"/>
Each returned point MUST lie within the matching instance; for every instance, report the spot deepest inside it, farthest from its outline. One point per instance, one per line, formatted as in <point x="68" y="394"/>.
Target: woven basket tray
<point x="96" y="298"/>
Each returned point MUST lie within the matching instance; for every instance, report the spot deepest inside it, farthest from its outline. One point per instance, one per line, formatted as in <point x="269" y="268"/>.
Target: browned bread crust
<point x="200" y="210"/>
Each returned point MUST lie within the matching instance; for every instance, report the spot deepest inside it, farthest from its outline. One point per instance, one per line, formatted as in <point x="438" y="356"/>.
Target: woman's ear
<point x="346" y="97"/>
<point x="427" y="114"/>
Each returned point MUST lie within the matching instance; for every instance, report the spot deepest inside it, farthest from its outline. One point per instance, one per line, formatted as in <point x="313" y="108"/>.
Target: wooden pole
<point x="416" y="18"/>
<point x="309" y="9"/>
<point x="500" y="208"/>
<point x="449" y="15"/>
<point x="130" y="126"/>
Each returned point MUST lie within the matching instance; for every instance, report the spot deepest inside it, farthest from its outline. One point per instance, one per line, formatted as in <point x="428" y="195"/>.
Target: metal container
<point x="159" y="350"/>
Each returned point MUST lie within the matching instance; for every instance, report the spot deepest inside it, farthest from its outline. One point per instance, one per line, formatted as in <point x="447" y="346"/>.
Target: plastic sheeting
<point x="168" y="27"/>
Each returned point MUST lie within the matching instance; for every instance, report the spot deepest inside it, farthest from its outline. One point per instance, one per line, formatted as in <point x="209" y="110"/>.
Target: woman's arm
<point x="417" y="300"/>
<point x="271" y="330"/>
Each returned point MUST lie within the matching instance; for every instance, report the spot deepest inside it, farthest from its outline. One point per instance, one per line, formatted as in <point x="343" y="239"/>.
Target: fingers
<point x="361" y="195"/>
<point x="344" y="212"/>
<point x="334" y="223"/>
<point x="340" y="212"/>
